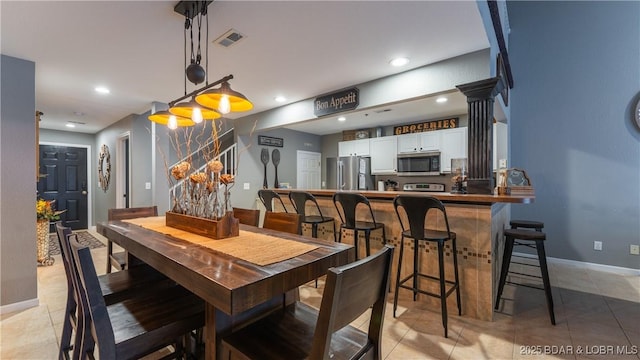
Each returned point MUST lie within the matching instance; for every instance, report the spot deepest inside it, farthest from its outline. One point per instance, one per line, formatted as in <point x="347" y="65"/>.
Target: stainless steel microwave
<point x="419" y="164"/>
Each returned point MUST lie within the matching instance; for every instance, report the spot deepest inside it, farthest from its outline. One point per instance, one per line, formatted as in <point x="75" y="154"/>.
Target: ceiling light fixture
<point x="205" y="103"/>
<point x="441" y="100"/>
<point x="70" y="125"/>
<point x="342" y="118"/>
<point x="280" y="99"/>
<point x="102" y="90"/>
<point x="401" y="61"/>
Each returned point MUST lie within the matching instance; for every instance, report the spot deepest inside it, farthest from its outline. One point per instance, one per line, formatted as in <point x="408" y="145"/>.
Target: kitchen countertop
<point x="486" y="199"/>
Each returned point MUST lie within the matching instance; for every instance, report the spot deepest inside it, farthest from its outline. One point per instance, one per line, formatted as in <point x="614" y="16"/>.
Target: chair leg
<point x="415" y="270"/>
<point x="67" y="328"/>
<point x="506" y="260"/>
<point x="340" y="233"/>
<point x="542" y="257"/>
<point x="443" y="291"/>
<point x="109" y="252"/>
<point x="314" y="230"/>
<point x="355" y="241"/>
<point x="395" y="298"/>
<point x="367" y="240"/>
<point x="455" y="272"/>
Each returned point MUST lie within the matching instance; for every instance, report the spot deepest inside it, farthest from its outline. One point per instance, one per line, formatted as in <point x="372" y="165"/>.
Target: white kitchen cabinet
<point x="383" y="155"/>
<point x="499" y="144"/>
<point x="453" y="145"/>
<point x="419" y="142"/>
<point x="354" y="148"/>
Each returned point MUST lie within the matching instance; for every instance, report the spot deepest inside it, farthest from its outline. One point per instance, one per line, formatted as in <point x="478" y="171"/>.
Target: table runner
<point x="256" y="248"/>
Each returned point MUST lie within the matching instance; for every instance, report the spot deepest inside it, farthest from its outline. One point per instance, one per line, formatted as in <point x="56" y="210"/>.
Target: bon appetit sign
<point x="340" y="101"/>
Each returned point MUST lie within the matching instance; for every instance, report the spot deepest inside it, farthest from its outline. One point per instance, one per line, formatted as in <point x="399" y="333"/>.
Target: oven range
<point x="427" y="187"/>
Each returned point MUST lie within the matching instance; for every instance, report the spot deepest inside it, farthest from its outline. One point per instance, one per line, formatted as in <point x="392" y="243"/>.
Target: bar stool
<point x="416" y="209"/>
<point x="299" y="200"/>
<point x="349" y="202"/>
<point x="532" y="239"/>
<point x="267" y="196"/>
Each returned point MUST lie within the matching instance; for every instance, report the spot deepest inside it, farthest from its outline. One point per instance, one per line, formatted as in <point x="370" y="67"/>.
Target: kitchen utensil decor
<point x="275" y="156"/>
<point x="264" y="157"/>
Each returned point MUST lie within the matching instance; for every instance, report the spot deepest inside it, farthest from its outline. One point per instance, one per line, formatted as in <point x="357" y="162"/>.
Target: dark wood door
<point x="65" y="181"/>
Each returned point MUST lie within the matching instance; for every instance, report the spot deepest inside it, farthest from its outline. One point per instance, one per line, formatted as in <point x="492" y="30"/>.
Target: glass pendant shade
<point x="162" y="117"/>
<point x="213" y="99"/>
<point x="186" y="110"/>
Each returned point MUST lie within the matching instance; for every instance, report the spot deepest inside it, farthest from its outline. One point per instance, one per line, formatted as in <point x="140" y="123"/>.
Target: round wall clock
<point x="104" y="167"/>
<point x="636" y="115"/>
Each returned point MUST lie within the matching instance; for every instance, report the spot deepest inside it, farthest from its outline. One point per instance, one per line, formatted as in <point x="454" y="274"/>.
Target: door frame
<point x="89" y="178"/>
<point x="120" y="171"/>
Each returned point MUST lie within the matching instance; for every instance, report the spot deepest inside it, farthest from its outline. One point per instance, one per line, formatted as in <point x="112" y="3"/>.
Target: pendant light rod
<point x="195" y="92"/>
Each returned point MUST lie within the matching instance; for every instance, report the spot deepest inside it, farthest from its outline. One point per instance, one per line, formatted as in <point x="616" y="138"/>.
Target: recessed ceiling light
<point x="280" y="98"/>
<point x="441" y="100"/>
<point x="401" y="61"/>
<point x="78" y="113"/>
<point x="342" y="118"/>
<point x="102" y="90"/>
<point x="70" y="125"/>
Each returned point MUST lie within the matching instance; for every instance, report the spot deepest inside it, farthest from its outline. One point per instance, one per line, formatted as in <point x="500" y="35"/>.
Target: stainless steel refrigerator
<point x="349" y="173"/>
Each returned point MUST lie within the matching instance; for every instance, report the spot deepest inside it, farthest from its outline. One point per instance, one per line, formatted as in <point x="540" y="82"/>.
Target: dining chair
<point x="299" y="200"/>
<point x="114" y="287"/>
<point x="299" y="331"/>
<point x="119" y="259"/>
<point x="346" y="205"/>
<point x="267" y="196"/>
<point x="247" y="216"/>
<point x="286" y="222"/>
<point x="136" y="326"/>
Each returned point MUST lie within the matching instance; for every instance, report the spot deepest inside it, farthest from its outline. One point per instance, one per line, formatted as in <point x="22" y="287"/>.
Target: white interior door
<point x="308" y="170"/>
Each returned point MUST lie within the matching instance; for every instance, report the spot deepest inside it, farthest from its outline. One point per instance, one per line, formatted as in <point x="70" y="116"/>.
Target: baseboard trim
<point x="587" y="265"/>
<point x="19" y="306"/>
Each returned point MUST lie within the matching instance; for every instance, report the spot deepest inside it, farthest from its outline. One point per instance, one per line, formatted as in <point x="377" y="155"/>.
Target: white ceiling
<point x="299" y="49"/>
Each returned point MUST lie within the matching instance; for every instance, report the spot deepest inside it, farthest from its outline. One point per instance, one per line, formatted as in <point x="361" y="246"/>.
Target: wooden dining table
<point x="236" y="291"/>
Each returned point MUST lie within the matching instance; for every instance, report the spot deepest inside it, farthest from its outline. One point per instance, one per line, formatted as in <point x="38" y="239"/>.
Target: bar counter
<point x="478" y="221"/>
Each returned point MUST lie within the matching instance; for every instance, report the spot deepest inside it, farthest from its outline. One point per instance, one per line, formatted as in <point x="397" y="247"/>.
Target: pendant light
<point x="163" y="117"/>
<point x="224" y="99"/>
<point x="194" y="111"/>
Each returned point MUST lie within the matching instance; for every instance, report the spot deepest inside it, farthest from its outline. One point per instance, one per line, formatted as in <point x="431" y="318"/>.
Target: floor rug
<point x="84" y="238"/>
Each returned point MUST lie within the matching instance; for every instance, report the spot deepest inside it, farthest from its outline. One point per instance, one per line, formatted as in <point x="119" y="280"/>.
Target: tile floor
<point x="597" y="317"/>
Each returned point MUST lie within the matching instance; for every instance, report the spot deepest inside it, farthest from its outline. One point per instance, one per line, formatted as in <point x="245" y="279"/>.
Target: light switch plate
<point x="502" y="163"/>
<point x="147" y="186"/>
<point x="246" y="186"/>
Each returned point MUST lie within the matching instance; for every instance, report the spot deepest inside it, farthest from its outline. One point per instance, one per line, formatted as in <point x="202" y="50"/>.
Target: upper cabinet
<point x="383" y="155"/>
<point x="453" y="145"/>
<point x="354" y="148"/>
<point x="419" y="142"/>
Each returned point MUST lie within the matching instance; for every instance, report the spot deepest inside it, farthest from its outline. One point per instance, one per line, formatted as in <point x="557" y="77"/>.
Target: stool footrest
<point x="437" y="295"/>
<point x="525" y="285"/>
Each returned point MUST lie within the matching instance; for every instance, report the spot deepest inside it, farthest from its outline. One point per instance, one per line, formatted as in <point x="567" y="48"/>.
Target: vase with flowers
<point x="45" y="213"/>
<point x="199" y="190"/>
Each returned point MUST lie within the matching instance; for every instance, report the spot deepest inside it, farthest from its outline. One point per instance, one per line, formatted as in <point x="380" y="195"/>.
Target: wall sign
<point x="344" y="100"/>
<point x="426" y="126"/>
<point x="270" y="141"/>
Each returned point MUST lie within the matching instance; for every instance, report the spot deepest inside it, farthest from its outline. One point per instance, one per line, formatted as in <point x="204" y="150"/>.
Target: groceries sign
<point x="340" y="101"/>
<point x="426" y="126"/>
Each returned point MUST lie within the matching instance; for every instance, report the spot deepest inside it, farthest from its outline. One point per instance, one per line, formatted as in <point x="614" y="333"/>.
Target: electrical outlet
<point x="634" y="249"/>
<point x="597" y="245"/>
<point x="246" y="186"/>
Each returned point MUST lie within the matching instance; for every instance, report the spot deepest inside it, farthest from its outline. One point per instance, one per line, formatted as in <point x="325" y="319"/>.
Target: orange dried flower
<point x="226" y="179"/>
<point x="198" y="178"/>
<point x="215" y="166"/>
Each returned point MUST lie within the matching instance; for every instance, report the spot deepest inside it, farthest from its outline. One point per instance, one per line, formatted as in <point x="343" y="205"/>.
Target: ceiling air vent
<point x="229" y="38"/>
<point x="381" y="111"/>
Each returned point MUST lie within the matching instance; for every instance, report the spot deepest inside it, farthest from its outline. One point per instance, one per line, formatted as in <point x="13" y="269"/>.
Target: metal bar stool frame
<point x="418" y="207"/>
<point x="349" y="203"/>
<point x="267" y="196"/>
<point x="299" y="200"/>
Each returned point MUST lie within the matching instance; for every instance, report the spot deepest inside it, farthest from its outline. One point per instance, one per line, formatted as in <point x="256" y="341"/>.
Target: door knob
<point x="84" y="192"/>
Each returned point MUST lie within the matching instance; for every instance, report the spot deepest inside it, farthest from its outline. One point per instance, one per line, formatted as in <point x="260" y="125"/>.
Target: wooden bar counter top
<point x="478" y="221"/>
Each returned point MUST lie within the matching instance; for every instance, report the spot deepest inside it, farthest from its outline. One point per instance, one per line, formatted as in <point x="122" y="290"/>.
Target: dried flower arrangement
<point x="198" y="185"/>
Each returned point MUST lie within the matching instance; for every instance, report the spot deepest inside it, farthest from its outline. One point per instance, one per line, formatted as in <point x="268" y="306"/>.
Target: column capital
<point x="481" y="89"/>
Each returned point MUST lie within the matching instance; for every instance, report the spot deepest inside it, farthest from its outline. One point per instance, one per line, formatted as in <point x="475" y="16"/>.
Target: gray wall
<point x="576" y="67"/>
<point x="17" y="182"/>
<point x="251" y="170"/>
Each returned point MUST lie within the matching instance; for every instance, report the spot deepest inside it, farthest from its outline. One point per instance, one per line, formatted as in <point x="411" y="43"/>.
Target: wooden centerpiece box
<point x="227" y="226"/>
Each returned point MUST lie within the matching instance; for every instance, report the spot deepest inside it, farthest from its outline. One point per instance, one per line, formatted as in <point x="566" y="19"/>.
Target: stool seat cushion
<point x="432" y="235"/>
<point x="527" y="224"/>
<point x="525" y="234"/>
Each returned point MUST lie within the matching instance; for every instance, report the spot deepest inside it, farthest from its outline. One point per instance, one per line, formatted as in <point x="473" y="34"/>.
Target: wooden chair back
<point x="247" y="216"/>
<point x="132" y="213"/>
<point x="351" y="290"/>
<point x="286" y="222"/>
